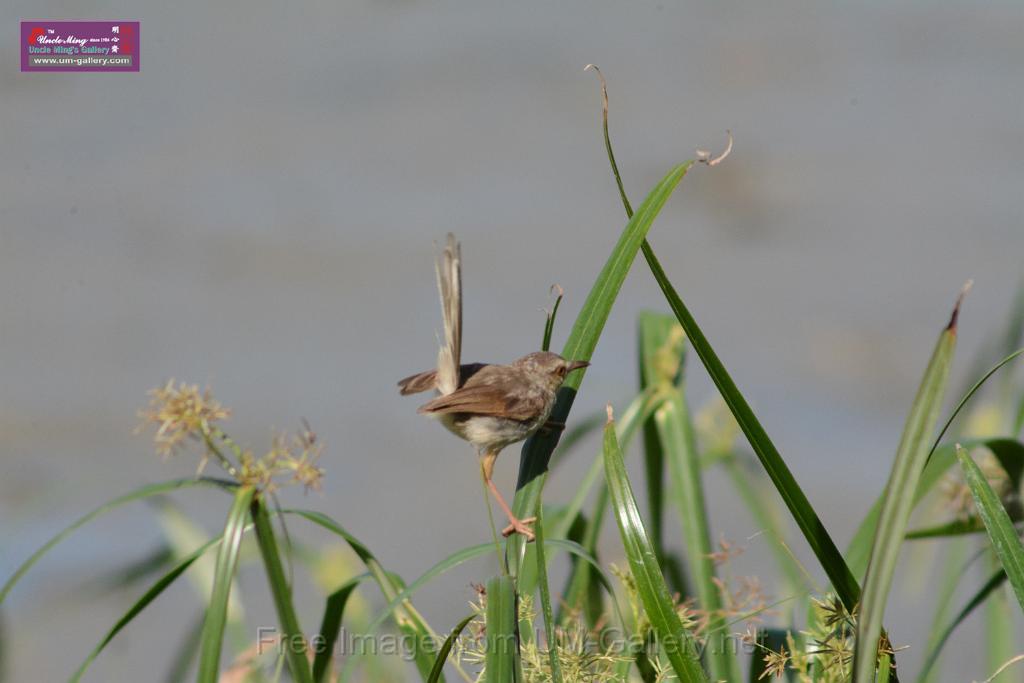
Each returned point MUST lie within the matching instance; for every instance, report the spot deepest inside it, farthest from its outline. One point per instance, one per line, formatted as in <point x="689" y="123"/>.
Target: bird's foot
<point x="520" y="526"/>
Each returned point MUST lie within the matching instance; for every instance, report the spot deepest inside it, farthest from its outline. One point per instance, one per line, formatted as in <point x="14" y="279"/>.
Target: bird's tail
<point x="449" y="285"/>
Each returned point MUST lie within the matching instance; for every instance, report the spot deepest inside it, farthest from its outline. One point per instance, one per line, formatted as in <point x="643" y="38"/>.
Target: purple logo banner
<point x="79" y="45"/>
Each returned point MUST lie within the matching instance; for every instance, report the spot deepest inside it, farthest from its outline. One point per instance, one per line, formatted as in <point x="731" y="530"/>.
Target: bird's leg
<point x="516" y="525"/>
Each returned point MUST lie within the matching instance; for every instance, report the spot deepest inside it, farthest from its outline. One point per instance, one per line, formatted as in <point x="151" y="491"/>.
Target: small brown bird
<point x="490" y="406"/>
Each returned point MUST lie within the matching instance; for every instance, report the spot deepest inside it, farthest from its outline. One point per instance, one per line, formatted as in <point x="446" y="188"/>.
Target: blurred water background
<point x="256" y="210"/>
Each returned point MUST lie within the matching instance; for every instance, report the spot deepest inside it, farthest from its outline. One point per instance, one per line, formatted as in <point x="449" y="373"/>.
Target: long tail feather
<point x="449" y="285"/>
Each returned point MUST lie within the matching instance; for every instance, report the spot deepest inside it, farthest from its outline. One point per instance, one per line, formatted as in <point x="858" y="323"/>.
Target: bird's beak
<point x="576" y="365"/>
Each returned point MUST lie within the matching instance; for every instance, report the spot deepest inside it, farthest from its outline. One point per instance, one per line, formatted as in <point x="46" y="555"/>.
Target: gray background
<point x="256" y="210"/>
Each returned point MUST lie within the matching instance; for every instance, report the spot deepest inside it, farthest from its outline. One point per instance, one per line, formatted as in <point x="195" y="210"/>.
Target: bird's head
<point x="549" y="368"/>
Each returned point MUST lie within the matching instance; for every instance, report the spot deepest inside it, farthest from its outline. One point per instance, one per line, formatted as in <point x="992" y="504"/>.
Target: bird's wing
<point x="483" y="399"/>
<point x="449" y="285"/>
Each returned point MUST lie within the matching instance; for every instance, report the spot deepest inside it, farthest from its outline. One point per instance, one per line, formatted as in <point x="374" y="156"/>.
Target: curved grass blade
<point x="138" y="494"/>
<point x="953" y="569"/>
<point x="545" y="599"/>
<point x="580" y="345"/>
<point x="217" y="610"/>
<point x="639" y="409"/>
<point x="330" y="625"/>
<point x="464" y="555"/>
<point x="446" y="648"/>
<point x="898" y="500"/>
<point x="806" y="518"/>
<point x="405" y="615"/>
<point x="549" y="325"/>
<point x="502" y="643"/>
<point x="994" y="582"/>
<point x="678" y="644"/>
<point x="149" y="596"/>
<point x="1001" y="532"/>
<point x="859" y="550"/>
<point x="661" y="343"/>
<point x="292" y="636"/>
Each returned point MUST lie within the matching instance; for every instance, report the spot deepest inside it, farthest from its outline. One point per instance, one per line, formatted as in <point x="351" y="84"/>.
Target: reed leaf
<point x="1005" y="540"/>
<point x="502" y="645"/>
<point x="149" y="596"/>
<point x="446" y="648"/>
<point x="292" y="637"/>
<point x="141" y="493"/>
<point x="898" y="500"/>
<point x="227" y="561"/>
<point x="580" y="345"/>
<point x="677" y="643"/>
<point x="661" y="344"/>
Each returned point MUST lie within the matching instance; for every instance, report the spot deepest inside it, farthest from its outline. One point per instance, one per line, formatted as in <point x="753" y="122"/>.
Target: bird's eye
<point x="561" y="371"/>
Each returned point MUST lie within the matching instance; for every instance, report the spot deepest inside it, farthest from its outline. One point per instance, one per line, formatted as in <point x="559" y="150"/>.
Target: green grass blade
<point x="806" y="518"/>
<point x="579" y="591"/>
<point x="500" y="662"/>
<point x="994" y="582"/>
<point x="941" y="460"/>
<point x="217" y="610"/>
<point x="580" y="345"/>
<point x="952" y="571"/>
<point x="407" y="617"/>
<point x="661" y="343"/>
<point x="999" y="636"/>
<point x="898" y="500"/>
<point x="138" y="494"/>
<point x="1001" y="532"/>
<point x="330" y="626"/>
<point x="149" y="596"/>
<point x="545" y="599"/>
<point x="291" y="634"/>
<point x="677" y="643"/>
<point x="799" y="507"/>
<point x="446" y="648"/>
<point x="549" y="325"/>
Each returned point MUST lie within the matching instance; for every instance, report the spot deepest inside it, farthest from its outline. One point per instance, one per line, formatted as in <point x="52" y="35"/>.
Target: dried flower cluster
<point x="181" y="412"/>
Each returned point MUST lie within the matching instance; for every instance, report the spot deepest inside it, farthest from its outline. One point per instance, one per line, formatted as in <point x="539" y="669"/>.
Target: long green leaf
<point x="227" y="561"/>
<point x="580" y="345"/>
<point x="993" y="583"/>
<point x="1001" y="532"/>
<point x="138" y="494"/>
<point x="330" y="625"/>
<point x="502" y="645"/>
<point x="677" y="643"/>
<point x="942" y="458"/>
<point x="952" y="571"/>
<point x="661" y="343"/>
<point x="800" y="508"/>
<point x="405" y="615"/>
<point x="446" y="648"/>
<point x="545" y="600"/>
<point x="911" y="457"/>
<point x="149" y="596"/>
<point x="806" y="518"/>
<point x="291" y="634"/>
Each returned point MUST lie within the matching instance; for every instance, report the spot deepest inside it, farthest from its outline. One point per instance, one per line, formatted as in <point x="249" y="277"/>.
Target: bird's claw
<point x="520" y="526"/>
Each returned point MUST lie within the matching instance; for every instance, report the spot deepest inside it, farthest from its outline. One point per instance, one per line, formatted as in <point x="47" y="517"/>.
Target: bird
<point x="489" y="405"/>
